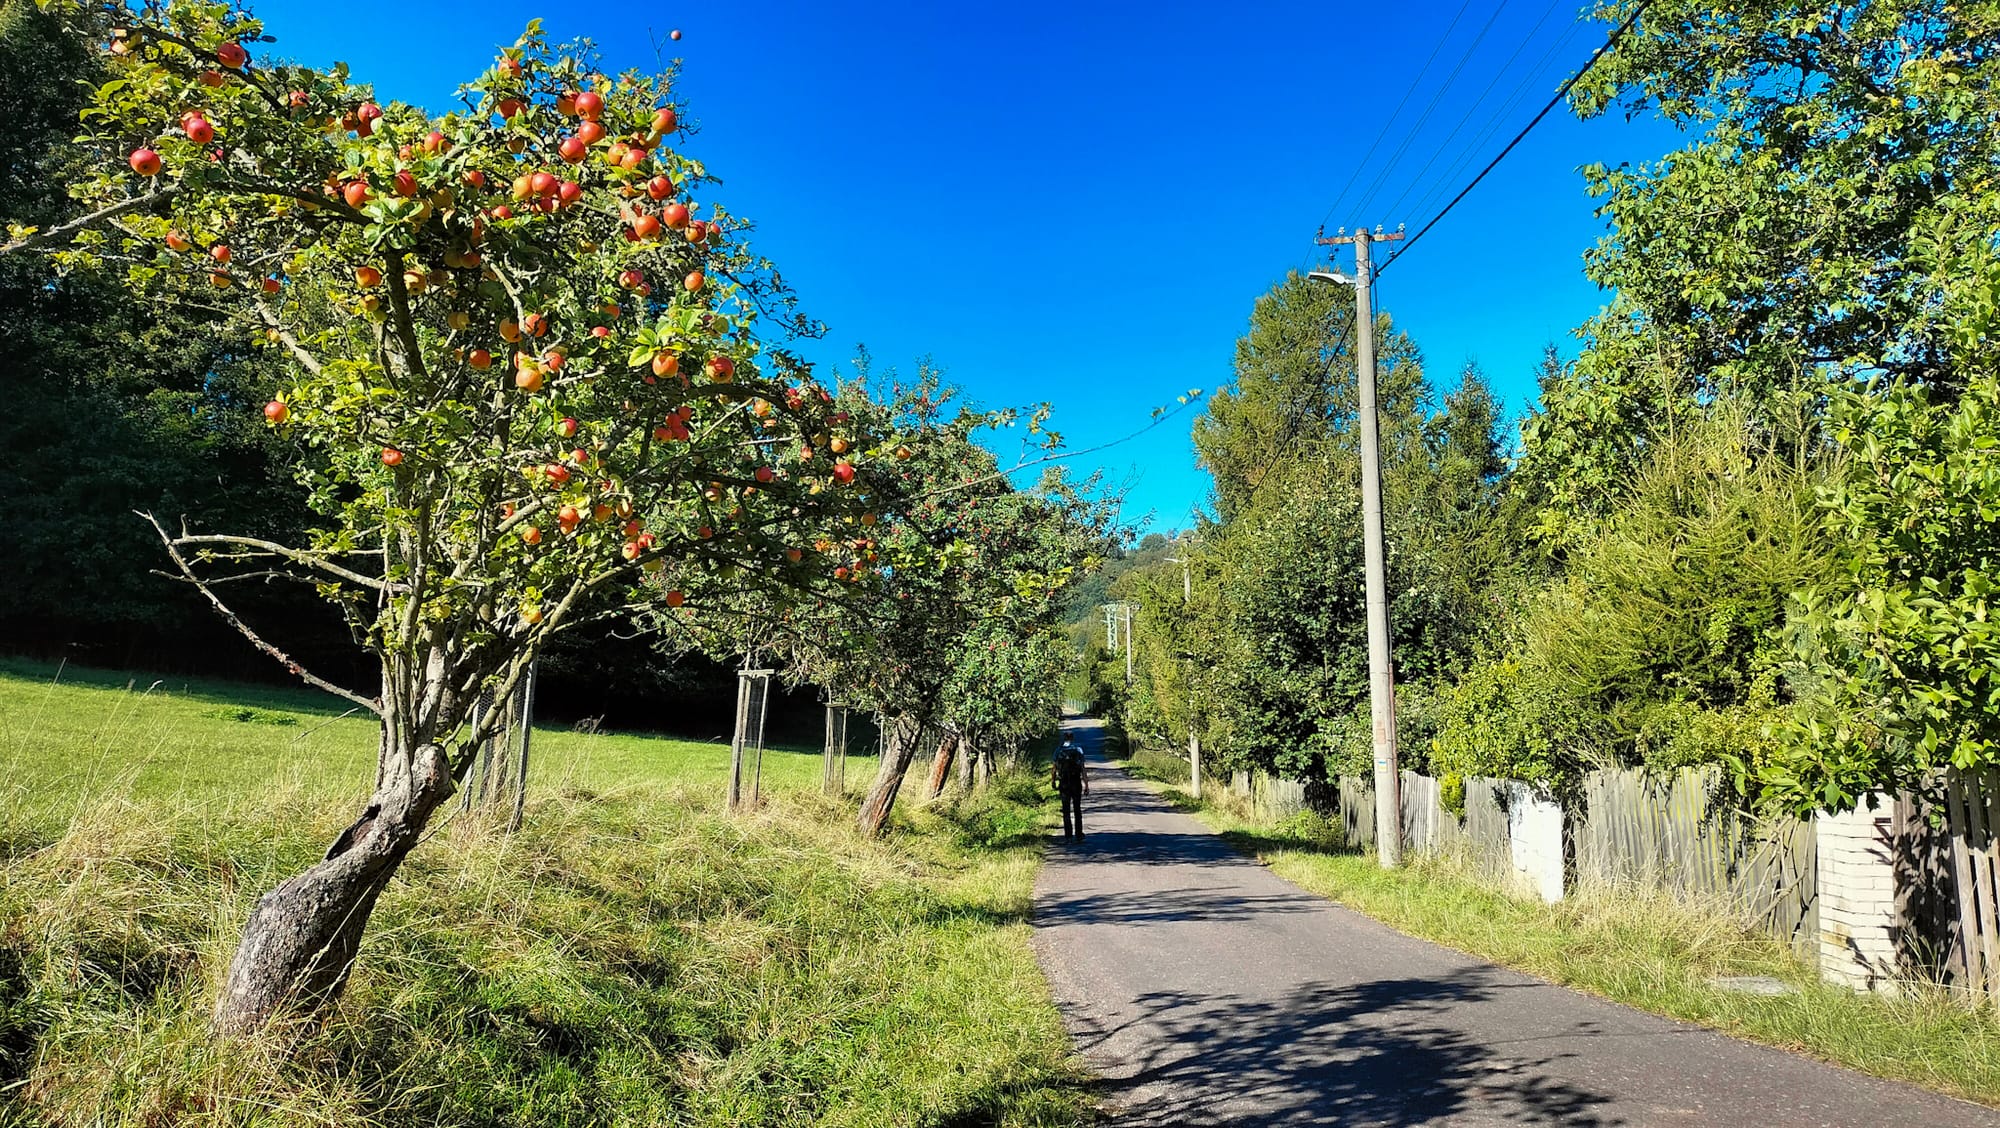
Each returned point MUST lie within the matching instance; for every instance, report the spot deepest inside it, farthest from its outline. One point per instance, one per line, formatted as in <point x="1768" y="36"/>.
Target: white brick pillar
<point x="1857" y="895"/>
<point x="1535" y="842"/>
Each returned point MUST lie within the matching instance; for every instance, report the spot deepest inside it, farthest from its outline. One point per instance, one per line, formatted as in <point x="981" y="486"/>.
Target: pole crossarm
<point x="1343" y="240"/>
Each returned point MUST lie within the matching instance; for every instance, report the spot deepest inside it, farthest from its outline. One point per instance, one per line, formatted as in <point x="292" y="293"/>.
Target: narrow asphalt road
<point x="1205" y="990"/>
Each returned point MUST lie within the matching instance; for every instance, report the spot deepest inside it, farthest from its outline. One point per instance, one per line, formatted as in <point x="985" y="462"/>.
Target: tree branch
<point x="243" y="628"/>
<point x="68" y="231"/>
<point x="295" y="555"/>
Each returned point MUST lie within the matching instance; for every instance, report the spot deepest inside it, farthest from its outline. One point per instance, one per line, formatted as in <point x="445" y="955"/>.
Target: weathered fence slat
<point x="1972" y="957"/>
<point x="1989" y="927"/>
<point x="1682" y="836"/>
<point x="1977" y="791"/>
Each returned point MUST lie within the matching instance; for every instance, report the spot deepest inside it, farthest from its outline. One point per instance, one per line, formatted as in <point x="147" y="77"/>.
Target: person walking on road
<point x="1072" y="784"/>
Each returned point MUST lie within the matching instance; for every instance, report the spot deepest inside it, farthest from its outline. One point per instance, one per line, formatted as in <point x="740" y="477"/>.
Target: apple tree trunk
<point x="905" y="734"/>
<point x="941" y="765"/>
<point x="303" y="937"/>
<point x="969" y="745"/>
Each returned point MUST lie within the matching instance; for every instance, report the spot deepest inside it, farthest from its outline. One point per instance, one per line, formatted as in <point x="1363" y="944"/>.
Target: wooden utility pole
<point x="1128" y="645"/>
<point x="1187" y="677"/>
<point x="1381" y="671"/>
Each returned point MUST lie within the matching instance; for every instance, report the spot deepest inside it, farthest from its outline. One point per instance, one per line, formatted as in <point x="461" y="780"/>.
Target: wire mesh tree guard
<point x="499" y="774"/>
<point x="753" y="700"/>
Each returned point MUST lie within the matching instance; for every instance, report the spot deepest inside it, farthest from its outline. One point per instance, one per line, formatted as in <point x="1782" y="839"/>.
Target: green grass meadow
<point x="634" y="956"/>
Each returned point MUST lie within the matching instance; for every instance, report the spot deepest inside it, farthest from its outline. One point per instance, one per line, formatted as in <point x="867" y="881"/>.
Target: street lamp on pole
<point x="1381" y="671"/>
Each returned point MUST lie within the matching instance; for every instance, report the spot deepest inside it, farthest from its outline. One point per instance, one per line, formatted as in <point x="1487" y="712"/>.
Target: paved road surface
<point x="1205" y="990"/>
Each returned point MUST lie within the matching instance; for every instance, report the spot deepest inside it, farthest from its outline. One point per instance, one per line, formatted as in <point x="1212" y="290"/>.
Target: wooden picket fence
<point x="1972" y="806"/>
<point x="1680" y="835"/>
<point x="1499" y="835"/>
<point x="1271" y="797"/>
<point x="1683" y="834"/>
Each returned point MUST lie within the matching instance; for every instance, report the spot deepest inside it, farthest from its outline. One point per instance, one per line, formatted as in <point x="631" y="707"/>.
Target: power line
<point x="1341" y="196"/>
<point x="1294" y="418"/>
<point x="1393" y="210"/>
<point x="1395" y="158"/>
<point x="1602" y="50"/>
<point x="1441" y="186"/>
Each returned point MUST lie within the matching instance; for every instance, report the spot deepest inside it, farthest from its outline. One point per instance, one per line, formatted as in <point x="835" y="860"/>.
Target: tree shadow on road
<point x="1367" y="1053"/>
<point x="1166" y="906"/>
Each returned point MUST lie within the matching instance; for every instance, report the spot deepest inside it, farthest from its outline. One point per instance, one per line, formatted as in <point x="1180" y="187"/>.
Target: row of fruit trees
<point x="539" y="379"/>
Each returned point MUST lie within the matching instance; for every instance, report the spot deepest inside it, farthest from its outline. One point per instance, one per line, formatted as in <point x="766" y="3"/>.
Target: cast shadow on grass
<point x="1377" y="1052"/>
<point x="1263" y="841"/>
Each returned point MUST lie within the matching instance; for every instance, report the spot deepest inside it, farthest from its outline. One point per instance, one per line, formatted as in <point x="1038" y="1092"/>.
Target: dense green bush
<point x="1662" y="644"/>
<point x="1904" y="646"/>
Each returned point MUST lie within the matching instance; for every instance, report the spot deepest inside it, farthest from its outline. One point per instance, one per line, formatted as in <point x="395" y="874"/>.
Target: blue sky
<point x="1079" y="203"/>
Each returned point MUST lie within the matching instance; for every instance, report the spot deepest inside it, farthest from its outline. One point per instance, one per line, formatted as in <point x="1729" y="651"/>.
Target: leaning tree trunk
<point x="941" y="764"/>
<point x="905" y="732"/>
<point x="303" y="936"/>
<point x="969" y="745"/>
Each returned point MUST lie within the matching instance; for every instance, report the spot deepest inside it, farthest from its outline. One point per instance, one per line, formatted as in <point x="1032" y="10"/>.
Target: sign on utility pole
<point x="1381" y="673"/>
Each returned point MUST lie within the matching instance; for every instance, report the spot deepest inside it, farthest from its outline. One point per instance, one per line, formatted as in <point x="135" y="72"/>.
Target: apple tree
<point x="523" y="358"/>
<point x="951" y="579"/>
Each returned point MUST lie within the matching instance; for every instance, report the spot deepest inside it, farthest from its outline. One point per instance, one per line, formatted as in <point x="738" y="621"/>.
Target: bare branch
<point x="297" y="556"/>
<point x="243" y="628"/>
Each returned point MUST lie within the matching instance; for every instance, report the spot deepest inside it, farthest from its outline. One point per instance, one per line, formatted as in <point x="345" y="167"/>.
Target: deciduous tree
<point x="527" y="364"/>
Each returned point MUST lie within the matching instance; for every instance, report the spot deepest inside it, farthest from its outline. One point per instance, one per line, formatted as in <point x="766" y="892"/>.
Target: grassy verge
<point x="634" y="957"/>
<point x="1643" y="949"/>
